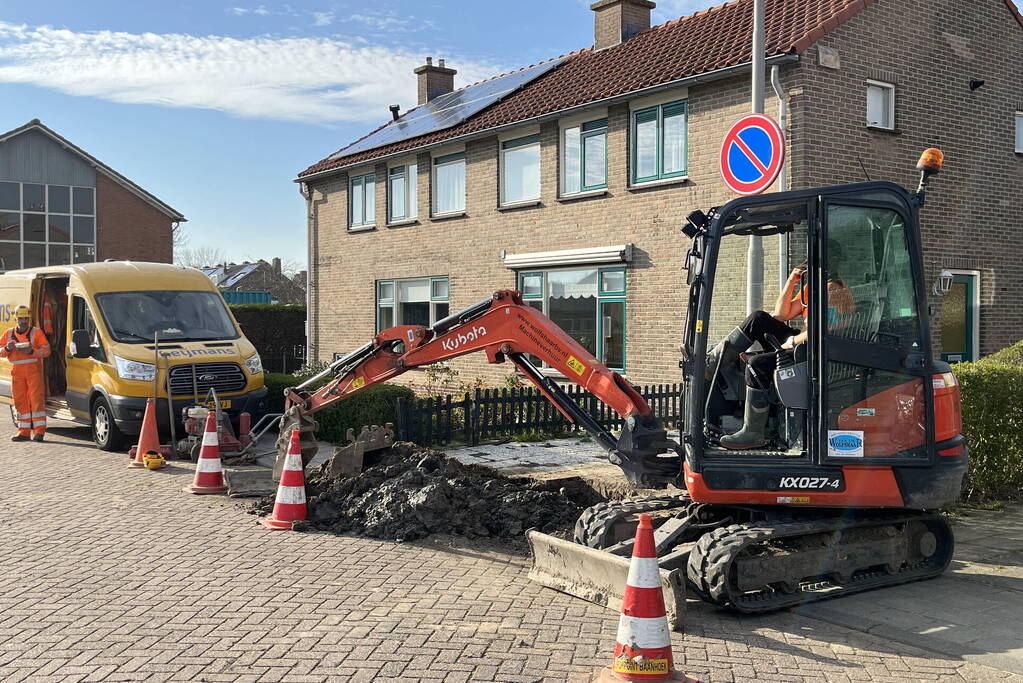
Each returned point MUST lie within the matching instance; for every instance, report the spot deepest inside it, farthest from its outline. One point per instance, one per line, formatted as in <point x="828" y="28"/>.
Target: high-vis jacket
<point x="28" y="384"/>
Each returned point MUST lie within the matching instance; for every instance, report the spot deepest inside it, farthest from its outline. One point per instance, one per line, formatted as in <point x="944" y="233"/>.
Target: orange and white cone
<point x="643" y="645"/>
<point x="289" y="506"/>
<point x="149" y="437"/>
<point x="209" y="471"/>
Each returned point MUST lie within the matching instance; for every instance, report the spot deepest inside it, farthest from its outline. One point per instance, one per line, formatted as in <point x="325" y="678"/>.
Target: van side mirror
<point x="81" y="344"/>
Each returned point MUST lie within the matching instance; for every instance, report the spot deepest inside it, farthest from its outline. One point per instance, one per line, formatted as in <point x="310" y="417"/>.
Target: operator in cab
<point x="25" y="347"/>
<point x="791" y="304"/>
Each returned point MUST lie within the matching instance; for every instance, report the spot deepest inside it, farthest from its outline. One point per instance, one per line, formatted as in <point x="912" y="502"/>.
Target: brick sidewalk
<point x="114" y="574"/>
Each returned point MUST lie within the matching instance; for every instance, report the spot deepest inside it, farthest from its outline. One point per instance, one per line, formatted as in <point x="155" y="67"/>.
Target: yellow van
<point x="122" y="332"/>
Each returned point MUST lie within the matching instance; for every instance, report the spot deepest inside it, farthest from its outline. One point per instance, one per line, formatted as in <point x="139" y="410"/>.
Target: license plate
<point x="225" y="404"/>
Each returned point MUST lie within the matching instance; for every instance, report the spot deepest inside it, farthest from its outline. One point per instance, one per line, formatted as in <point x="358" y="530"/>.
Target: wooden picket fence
<point x="494" y="414"/>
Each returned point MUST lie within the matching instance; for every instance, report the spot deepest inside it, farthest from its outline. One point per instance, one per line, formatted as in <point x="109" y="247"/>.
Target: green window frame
<point x="611" y="292"/>
<point x="577" y="142"/>
<point x="670" y="146"/>
<point x="362" y="200"/>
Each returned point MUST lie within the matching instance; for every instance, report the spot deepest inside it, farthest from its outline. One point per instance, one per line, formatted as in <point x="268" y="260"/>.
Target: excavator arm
<point x="505" y="329"/>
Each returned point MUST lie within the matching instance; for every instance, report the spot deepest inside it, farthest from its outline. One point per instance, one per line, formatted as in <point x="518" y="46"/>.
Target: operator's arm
<point x="4" y="341"/>
<point x="788" y="305"/>
<point x="40" y="345"/>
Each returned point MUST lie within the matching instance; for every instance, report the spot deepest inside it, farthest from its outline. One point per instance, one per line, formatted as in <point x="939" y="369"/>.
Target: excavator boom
<point x="504" y="329"/>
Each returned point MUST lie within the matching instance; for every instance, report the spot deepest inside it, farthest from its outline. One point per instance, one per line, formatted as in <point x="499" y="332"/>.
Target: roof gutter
<point x="705" y="77"/>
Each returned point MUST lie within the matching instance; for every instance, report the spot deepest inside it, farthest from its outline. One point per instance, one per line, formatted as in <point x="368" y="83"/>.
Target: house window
<point x="1019" y="132"/>
<point x="401" y="193"/>
<point x="660" y="142"/>
<point x="880" y="105"/>
<point x="585" y="150"/>
<point x="43" y="225"/>
<point x="449" y="183"/>
<point x="418" y="301"/>
<point x="587" y="303"/>
<point x="362" y="201"/>
<point x="520" y="169"/>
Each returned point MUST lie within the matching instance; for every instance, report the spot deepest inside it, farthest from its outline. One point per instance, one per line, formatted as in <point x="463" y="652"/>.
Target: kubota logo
<point x="846" y="442"/>
<point x="464" y="338"/>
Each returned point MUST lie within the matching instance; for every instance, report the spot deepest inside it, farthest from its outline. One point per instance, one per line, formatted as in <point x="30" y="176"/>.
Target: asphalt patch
<point x="413" y="492"/>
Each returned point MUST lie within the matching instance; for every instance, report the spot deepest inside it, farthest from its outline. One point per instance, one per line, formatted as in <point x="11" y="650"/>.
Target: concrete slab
<point x="973" y="611"/>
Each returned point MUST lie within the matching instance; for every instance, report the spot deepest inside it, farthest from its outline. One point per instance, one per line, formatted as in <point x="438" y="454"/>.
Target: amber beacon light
<point x="931" y="160"/>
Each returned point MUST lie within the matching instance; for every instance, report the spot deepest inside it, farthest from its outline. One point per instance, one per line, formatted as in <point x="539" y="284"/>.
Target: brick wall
<point x="975" y="207"/>
<point x="129" y="228"/>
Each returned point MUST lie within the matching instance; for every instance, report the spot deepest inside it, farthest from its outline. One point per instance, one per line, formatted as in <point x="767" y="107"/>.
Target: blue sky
<point x="215" y="106"/>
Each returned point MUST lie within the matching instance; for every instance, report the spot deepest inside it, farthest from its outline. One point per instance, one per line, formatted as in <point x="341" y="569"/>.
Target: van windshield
<point x="137" y="317"/>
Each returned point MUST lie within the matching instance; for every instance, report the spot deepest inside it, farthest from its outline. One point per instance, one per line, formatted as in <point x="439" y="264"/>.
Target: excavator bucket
<point x="349" y="459"/>
<point x="597" y="576"/>
<point x="295" y="419"/>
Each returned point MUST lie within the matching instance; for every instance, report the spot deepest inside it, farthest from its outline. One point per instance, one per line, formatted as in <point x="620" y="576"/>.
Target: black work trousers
<point x="760" y="369"/>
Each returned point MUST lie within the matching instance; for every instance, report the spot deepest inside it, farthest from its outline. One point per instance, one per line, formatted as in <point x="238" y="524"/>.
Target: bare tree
<point x="179" y="240"/>
<point x="200" y="257"/>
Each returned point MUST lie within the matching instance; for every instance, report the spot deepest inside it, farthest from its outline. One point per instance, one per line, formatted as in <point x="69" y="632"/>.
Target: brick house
<point x="59" y="205"/>
<point x="572" y="182"/>
<point x="258" y="276"/>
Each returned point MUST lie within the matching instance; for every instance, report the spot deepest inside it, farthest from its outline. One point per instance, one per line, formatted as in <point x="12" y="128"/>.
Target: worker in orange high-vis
<point x="25" y="347"/>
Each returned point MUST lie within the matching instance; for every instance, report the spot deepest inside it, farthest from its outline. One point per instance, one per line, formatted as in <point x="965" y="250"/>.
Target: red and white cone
<point x="643" y="645"/>
<point x="289" y="506"/>
<point x="209" y="471"/>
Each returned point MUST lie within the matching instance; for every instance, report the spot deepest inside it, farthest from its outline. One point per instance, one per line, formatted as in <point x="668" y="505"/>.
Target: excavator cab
<point x="861" y="392"/>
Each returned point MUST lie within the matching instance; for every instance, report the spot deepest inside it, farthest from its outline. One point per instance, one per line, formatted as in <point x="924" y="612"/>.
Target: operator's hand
<point x="796" y="274"/>
<point x="10" y="346"/>
<point x="789" y="343"/>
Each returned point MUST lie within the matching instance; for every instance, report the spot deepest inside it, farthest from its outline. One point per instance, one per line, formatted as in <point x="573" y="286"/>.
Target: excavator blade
<point x="597" y="576"/>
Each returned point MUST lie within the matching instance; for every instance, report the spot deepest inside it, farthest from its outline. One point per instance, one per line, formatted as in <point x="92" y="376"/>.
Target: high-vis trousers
<point x="29" y="389"/>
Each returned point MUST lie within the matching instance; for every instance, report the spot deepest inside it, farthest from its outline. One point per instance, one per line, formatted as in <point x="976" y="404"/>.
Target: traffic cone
<point x="209" y="472"/>
<point x="643" y="645"/>
<point x="149" y="436"/>
<point x="289" y="506"/>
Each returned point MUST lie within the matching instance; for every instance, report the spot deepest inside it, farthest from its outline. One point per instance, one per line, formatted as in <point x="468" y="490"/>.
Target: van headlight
<point x="253" y="364"/>
<point x="133" y="369"/>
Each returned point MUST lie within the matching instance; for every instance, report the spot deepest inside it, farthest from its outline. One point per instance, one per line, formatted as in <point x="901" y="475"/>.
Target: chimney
<point x="434" y="80"/>
<point x="616" y="21"/>
<point x="277" y="266"/>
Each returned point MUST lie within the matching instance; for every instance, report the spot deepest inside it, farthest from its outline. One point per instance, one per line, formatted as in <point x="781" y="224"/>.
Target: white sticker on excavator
<point x="845" y="443"/>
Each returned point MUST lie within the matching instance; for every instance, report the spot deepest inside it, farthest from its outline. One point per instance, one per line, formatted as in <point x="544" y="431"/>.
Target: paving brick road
<point x="114" y="574"/>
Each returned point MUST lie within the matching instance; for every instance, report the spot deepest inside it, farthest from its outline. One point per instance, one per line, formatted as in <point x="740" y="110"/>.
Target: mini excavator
<point x="863" y="437"/>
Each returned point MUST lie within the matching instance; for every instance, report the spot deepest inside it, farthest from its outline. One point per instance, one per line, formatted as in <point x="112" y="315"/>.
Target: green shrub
<point x="992" y="402"/>
<point x="374" y="406"/>
<point x="1011" y="355"/>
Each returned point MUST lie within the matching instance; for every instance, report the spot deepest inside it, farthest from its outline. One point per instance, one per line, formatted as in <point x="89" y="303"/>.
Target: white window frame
<point x="439" y="161"/>
<point x="889" y="88"/>
<point x="435" y="300"/>
<point x="71" y="214"/>
<point x="410" y="171"/>
<point x="518" y="143"/>
<point x="1019" y="132"/>
<point x="361" y="223"/>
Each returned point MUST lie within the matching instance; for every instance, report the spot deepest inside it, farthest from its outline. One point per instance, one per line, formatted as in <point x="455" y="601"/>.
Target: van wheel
<point x="104" y="430"/>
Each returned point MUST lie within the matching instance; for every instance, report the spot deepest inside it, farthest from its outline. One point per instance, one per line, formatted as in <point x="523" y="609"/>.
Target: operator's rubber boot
<point x="727" y="351"/>
<point x="758" y="407"/>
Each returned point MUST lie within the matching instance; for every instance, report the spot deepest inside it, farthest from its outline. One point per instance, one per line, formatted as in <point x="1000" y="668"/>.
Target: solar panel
<point x="448" y="110"/>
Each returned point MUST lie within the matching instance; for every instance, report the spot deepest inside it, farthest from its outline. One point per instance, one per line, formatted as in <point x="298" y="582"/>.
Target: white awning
<point x="618" y="253"/>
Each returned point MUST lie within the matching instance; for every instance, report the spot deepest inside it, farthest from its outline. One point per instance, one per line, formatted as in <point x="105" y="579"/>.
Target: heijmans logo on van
<point x="188" y="353"/>
<point x="848" y="444"/>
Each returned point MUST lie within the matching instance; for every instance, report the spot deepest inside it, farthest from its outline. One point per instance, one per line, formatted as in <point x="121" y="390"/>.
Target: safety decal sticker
<point x="938" y="382"/>
<point x="790" y="500"/>
<point x="358" y="382"/>
<point x="699" y="327"/>
<point x="576" y="365"/>
<point x="865" y="412"/>
<point x="845" y="444"/>
<point x="627" y="665"/>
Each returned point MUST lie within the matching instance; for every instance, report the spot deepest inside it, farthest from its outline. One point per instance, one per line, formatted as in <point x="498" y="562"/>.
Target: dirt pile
<point x="413" y="492"/>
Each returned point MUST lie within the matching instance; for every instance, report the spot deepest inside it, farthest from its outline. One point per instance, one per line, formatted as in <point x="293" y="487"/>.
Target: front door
<point x="958" y="320"/>
<point x="80" y="371"/>
<point x="877" y="392"/>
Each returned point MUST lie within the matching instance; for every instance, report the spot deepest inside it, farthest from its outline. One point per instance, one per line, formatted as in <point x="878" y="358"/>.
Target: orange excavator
<point x="861" y="426"/>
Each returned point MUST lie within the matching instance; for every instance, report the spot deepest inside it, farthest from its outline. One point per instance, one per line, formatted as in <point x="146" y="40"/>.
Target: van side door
<point x="81" y="371"/>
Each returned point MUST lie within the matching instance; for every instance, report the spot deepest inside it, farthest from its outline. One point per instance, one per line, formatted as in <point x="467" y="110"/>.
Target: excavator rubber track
<point x="763" y="567"/>
<point x="596" y="525"/>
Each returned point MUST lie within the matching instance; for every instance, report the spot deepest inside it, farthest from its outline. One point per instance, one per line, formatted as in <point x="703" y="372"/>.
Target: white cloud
<point x="323" y="18"/>
<point x="296" y="79"/>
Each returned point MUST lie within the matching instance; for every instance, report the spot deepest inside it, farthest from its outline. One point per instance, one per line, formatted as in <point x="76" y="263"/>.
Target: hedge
<point x="1011" y="355"/>
<point x="992" y="403"/>
<point x="374" y="406"/>
<point x="276" y="330"/>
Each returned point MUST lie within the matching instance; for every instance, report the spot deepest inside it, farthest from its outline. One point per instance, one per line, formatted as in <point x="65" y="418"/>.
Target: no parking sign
<point x="752" y="154"/>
